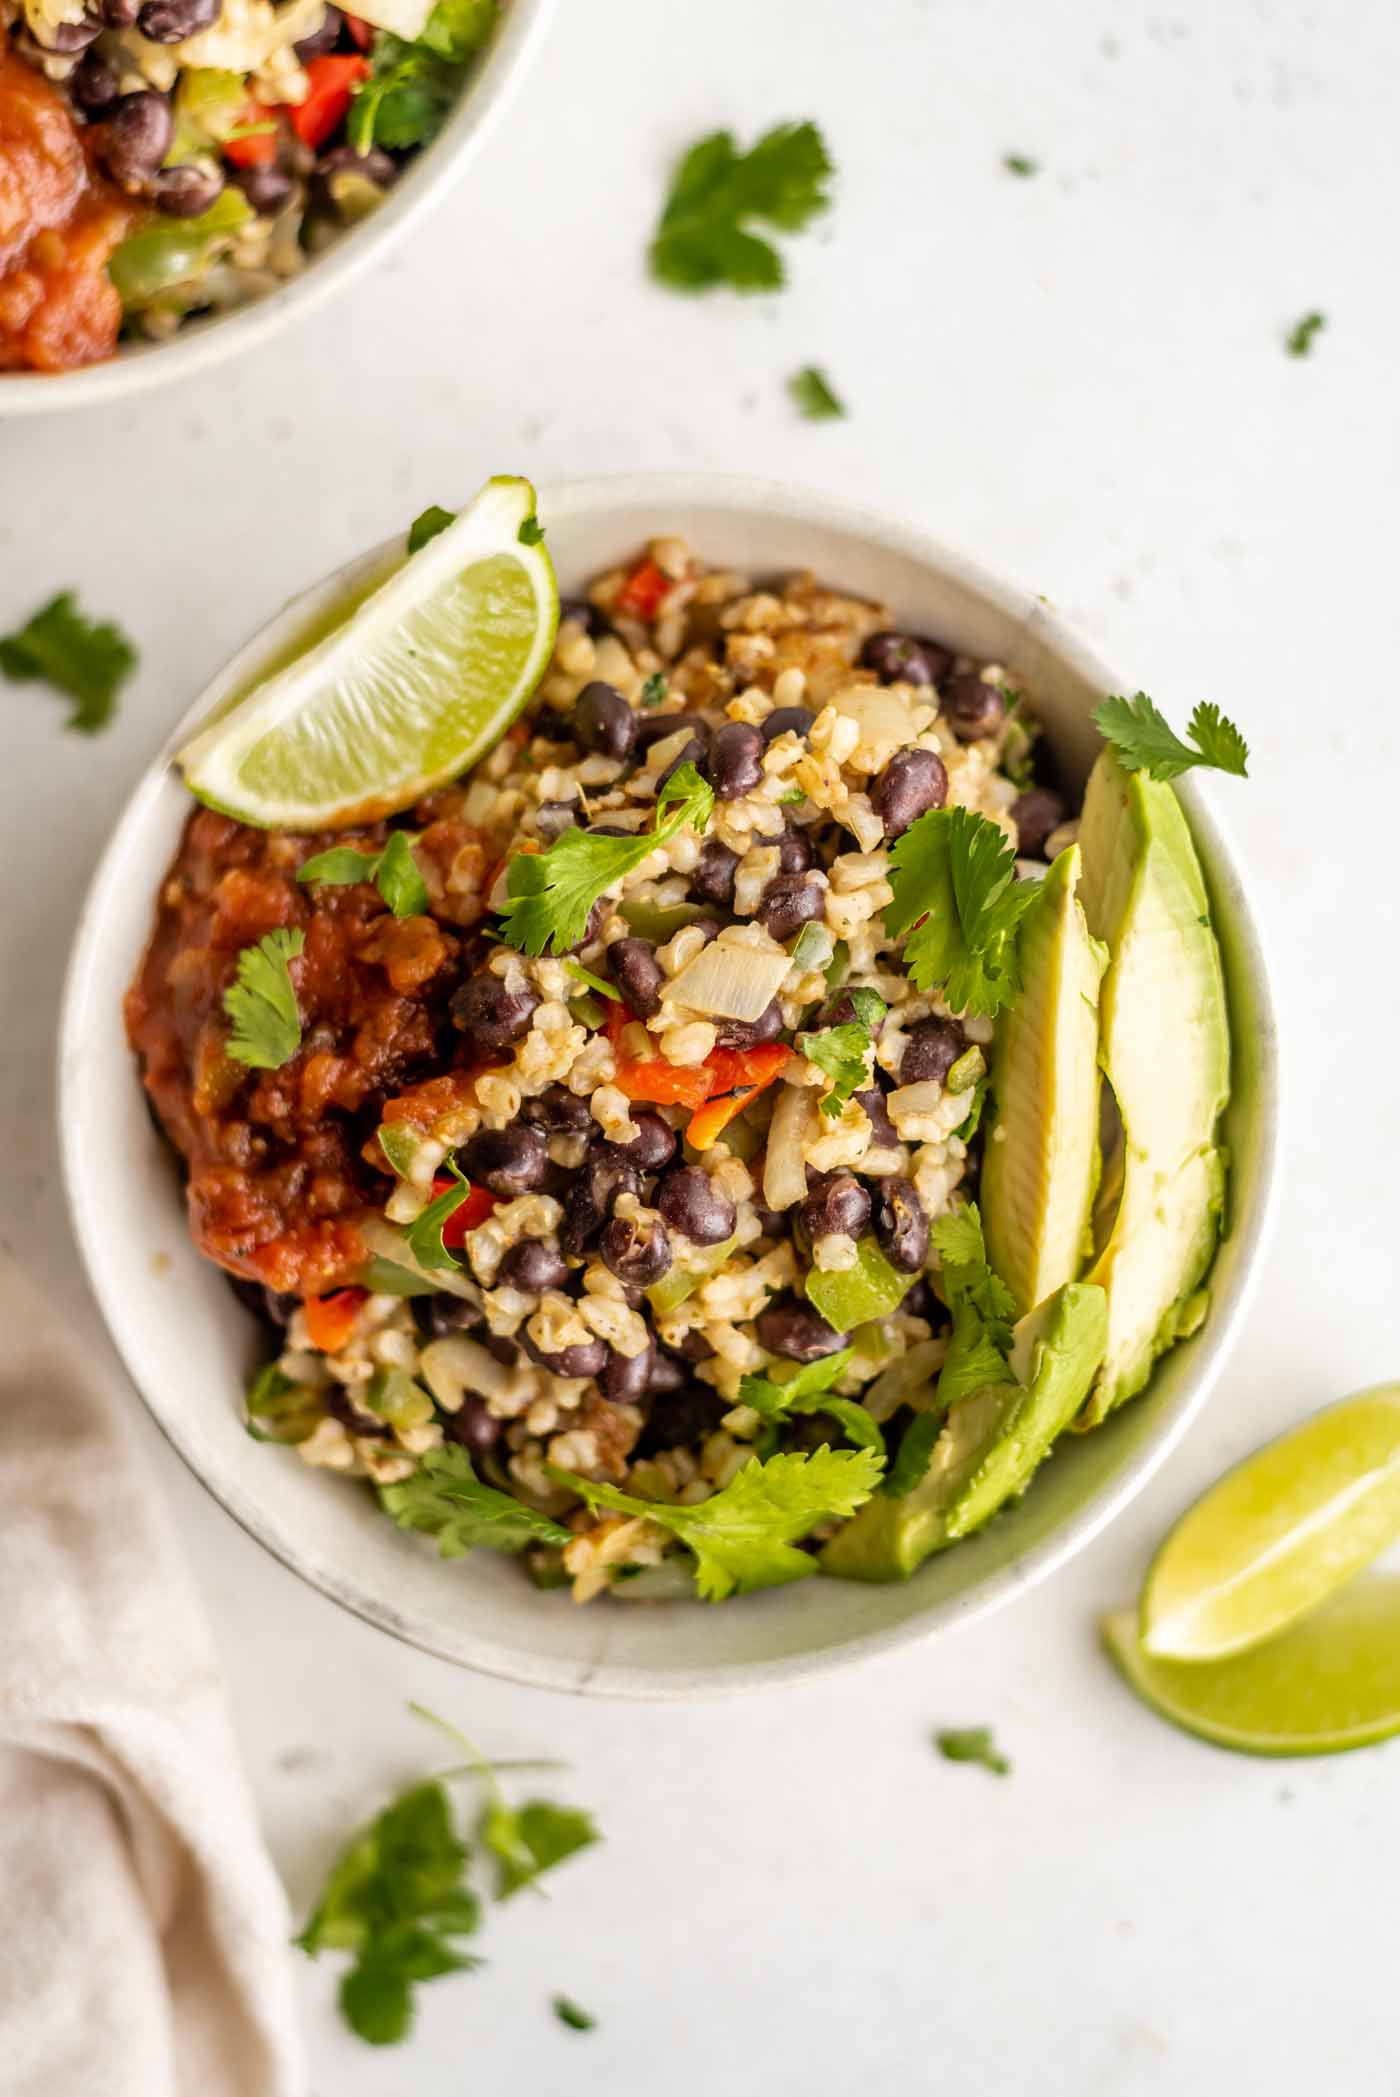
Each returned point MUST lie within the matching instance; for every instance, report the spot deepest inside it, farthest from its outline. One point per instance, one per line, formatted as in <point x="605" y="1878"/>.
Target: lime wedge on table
<point x="1279" y="1534"/>
<point x="410" y="688"/>
<point x="1326" y="1684"/>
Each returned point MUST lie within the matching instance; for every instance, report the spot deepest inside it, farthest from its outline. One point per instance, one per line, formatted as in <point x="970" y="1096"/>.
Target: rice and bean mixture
<point x="622" y="1267"/>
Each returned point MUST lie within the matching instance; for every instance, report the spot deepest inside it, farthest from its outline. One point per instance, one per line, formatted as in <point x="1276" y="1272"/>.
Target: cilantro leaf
<point x="984" y="1311"/>
<point x="425" y="1231"/>
<point x="701" y="240"/>
<point x="394" y="872"/>
<point x="529" y="1840"/>
<point x="972" y="1744"/>
<point x="549" y="894"/>
<point x="1299" y="341"/>
<point x="1143" y="742"/>
<point x="1018" y="164"/>
<point x="88" y="659"/>
<point x="812" y="395"/>
<point x="809" y="1391"/>
<point x="427" y="524"/>
<point x="841" y="1050"/>
<point x="654" y="689"/>
<point x="957" y="899"/>
<point x="262" y="1003"/>
<point x="568" y="2012"/>
<point x="531" y="532"/>
<point x="412" y="86"/>
<point x="744" y="1536"/>
<point x="444" y="1498"/>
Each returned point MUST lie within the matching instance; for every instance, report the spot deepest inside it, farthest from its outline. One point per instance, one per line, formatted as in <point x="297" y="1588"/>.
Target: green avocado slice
<point x="1164" y="1048"/>
<point x="1042" y="1148"/>
<point x="991" y="1444"/>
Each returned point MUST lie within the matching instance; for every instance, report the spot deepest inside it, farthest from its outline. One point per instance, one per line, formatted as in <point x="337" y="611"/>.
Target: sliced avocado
<point x="991" y="1443"/>
<point x="1041" y="1161"/>
<point x="1164" y="1047"/>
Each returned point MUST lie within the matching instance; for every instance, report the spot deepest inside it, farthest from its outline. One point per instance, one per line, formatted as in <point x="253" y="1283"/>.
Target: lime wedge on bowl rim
<point x="1279" y="1534"/>
<point x="421" y="678"/>
<point x="1324" y="1685"/>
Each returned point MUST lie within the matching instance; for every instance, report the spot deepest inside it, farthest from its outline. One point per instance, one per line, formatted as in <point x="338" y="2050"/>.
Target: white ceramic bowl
<point x="188" y="1344"/>
<point x="140" y="365"/>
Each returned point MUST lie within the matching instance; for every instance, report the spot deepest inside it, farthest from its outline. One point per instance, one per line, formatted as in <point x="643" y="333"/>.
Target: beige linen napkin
<point x="143" y="1949"/>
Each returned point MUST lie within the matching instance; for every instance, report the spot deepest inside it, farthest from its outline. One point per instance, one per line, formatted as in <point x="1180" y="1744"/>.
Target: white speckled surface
<point x="1080" y="379"/>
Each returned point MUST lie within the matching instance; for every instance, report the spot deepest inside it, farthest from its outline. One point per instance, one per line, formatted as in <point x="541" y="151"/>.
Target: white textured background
<point x="1080" y="379"/>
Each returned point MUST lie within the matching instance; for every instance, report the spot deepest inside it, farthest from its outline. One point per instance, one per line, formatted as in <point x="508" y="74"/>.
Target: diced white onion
<point x="729" y="981"/>
<point x="453" y="1366"/>
<point x="784" y="1170"/>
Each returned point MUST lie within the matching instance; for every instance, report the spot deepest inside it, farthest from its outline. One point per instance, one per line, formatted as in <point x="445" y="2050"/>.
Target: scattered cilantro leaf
<point x="702" y="239"/>
<point x="531" y="532"/>
<point x="809" y="1391"/>
<point x="428" y="524"/>
<point x="972" y="1744"/>
<point x="744" y="1537"/>
<point x="1299" y="340"/>
<point x="88" y="659"/>
<point x="966" y="1130"/>
<point x="1143" y="742"/>
<point x="262" y="1003"/>
<point x="983" y="1314"/>
<point x="526" y="1841"/>
<point x="654" y="689"/>
<point x="393" y="871"/>
<point x="957" y="899"/>
<point x="550" y="894"/>
<point x="568" y="2012"/>
<point x="412" y="86"/>
<point x="585" y="975"/>
<point x="445" y="1499"/>
<point x="813" y="397"/>
<point x="425" y="1231"/>
<point x="1019" y="164"/>
<point x="841" y="1050"/>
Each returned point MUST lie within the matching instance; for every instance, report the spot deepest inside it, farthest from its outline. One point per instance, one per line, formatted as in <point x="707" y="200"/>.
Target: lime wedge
<point x="1279" y="1534"/>
<point x="412" y="686"/>
<point x="1329" y="1683"/>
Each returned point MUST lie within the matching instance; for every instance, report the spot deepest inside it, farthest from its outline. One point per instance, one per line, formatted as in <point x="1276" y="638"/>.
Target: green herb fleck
<point x="87" y="659"/>
<point x="425" y="1232"/>
<point x="1300" y="338"/>
<point x="1018" y="164"/>
<point x="1142" y="741"/>
<point x="809" y="1391"/>
<point x="428" y="524"/>
<point x="841" y="1051"/>
<point x="654" y="689"/>
<point x="703" y="239"/>
<point x="531" y="532"/>
<point x="568" y="2012"/>
<point x="972" y="1744"/>
<point x="813" y="397"/>
<point x="262" y="1003"/>
<point x="393" y="871"/>
<point x="584" y="975"/>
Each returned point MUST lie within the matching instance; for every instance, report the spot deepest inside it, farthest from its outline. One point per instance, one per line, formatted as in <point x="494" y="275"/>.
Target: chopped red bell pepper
<point x="361" y="32"/>
<point x="475" y="1209"/>
<point x="330" y="1320"/>
<point x="259" y="149"/>
<point x="664" y="1084"/>
<point x="330" y="79"/>
<point x="643" y="590"/>
<point x="736" y="1077"/>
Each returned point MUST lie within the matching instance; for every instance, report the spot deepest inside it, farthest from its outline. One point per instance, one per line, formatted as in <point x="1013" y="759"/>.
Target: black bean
<point x="553" y="818"/>
<point x="713" y="878"/>
<point x="593" y="1195"/>
<point x="882" y="1129"/>
<point x="323" y="39"/>
<point x="509" y="1161"/>
<point x="789" y="902"/>
<point x="678" y="1419"/>
<point x="972" y="707"/>
<point x="736" y="760"/>
<point x="665" y="1372"/>
<point x="836" y="1202"/>
<point x="638" y="974"/>
<point x="772" y="1222"/>
<point x="637" y="1253"/>
<point x="696" y="752"/>
<point x="374" y="167"/>
<point x="901" y="1226"/>
<point x="787" y="720"/>
<point x="912" y="783"/>
<point x="694" y="1346"/>
<point x="583" y="1358"/>
<point x="920" y="1302"/>
<point x="440" y="1314"/>
<point x="602" y="721"/>
<point x="906" y="658"/>
<point x="626" y="1379"/>
<point x="472" y="1427"/>
<point x="187" y="191"/>
<point x="490" y="1016"/>
<point x="135" y="139"/>
<point x="748" y="1033"/>
<point x="368" y="1426"/>
<point x="95" y="85"/>
<point x="558" y="1111"/>
<point x="930" y="1051"/>
<point x="691" y="1202"/>
<point x="584" y="614"/>
<point x="794" y="851"/>
<point x="266" y="188"/>
<point x="171" y="21"/>
<point x="120" y="14"/>
<point x="1035" y="814"/>
<point x="654" y="1144"/>
<point x="501" y="1349"/>
<point x="789" y="1327"/>
<point x="839" y="1010"/>
<point x="534" y="1267"/>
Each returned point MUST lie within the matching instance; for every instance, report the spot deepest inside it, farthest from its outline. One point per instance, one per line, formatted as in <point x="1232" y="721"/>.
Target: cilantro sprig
<point x="88" y="659"/>
<point x="445" y="1499"/>
<point x="972" y="1744"/>
<point x="814" y="397"/>
<point x="1299" y="340"/>
<point x="809" y="1391"/>
<point x="703" y="238"/>
<point x="393" y="871"/>
<point x="549" y="894"/>
<point x="1142" y="741"/>
<point x="841" y="1051"/>
<point x="957" y="899"/>
<point x="744" y="1537"/>
<point x="412" y="86"/>
<point x="425" y="1231"/>
<point x="568" y="2012"/>
<point x="262" y="1004"/>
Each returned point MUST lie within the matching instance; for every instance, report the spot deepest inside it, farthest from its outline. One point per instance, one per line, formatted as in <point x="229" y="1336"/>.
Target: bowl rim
<point x="136" y="368"/>
<point x="1249" y="1232"/>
